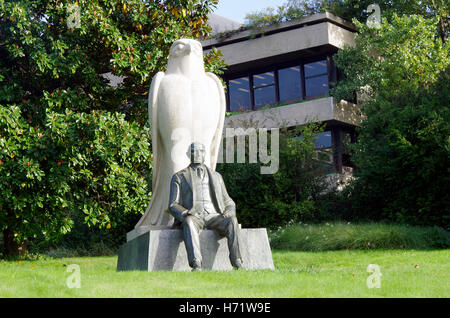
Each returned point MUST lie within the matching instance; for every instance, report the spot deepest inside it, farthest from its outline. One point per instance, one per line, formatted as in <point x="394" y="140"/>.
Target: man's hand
<point x="228" y="214"/>
<point x="185" y="214"/>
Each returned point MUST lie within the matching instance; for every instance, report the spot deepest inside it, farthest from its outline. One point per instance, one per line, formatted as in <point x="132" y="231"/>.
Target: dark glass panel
<point x="264" y="89"/>
<point x="239" y="90"/>
<point x="264" y="96"/>
<point x="289" y="80"/>
<point x="263" y="79"/>
<point x="323" y="140"/>
<point x="316" y="68"/>
<point x="316" y="85"/>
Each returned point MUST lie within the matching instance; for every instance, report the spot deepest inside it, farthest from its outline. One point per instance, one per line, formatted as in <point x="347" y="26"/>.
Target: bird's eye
<point x="179" y="46"/>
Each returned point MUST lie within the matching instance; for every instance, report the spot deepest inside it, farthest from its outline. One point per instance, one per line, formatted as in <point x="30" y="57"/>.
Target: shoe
<point x="196" y="266"/>
<point x="237" y="264"/>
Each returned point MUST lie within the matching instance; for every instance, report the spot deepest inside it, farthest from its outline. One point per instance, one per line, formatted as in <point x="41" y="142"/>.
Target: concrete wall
<point x="323" y="109"/>
<point x="242" y="48"/>
<point x="275" y="44"/>
<point x="339" y="37"/>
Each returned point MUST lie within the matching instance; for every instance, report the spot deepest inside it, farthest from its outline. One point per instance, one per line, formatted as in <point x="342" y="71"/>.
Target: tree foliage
<point x="403" y="150"/>
<point x="291" y="10"/>
<point x="353" y="9"/>
<point x="358" y="9"/>
<point x="71" y="141"/>
<point x="94" y="164"/>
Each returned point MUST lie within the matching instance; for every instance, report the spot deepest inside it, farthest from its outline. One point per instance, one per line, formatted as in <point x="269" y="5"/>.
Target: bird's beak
<point x="188" y="48"/>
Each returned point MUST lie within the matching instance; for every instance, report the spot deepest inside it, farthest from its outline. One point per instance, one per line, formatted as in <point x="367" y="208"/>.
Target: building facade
<point x="281" y="77"/>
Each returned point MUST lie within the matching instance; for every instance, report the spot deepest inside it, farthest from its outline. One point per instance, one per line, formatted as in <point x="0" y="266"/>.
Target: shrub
<point x="402" y="153"/>
<point x="339" y="235"/>
<point x="294" y="193"/>
<point x="87" y="166"/>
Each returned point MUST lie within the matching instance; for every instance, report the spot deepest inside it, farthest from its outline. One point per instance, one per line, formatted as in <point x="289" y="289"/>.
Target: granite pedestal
<point x="164" y="250"/>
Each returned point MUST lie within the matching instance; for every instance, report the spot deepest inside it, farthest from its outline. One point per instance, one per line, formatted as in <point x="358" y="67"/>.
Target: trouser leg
<point x="191" y="227"/>
<point x="233" y="241"/>
<point x="229" y="228"/>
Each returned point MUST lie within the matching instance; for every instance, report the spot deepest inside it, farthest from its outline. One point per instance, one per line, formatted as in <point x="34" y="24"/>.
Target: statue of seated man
<point x="198" y="200"/>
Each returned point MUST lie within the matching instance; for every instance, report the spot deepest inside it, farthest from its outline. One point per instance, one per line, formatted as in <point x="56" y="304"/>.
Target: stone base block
<point x="164" y="250"/>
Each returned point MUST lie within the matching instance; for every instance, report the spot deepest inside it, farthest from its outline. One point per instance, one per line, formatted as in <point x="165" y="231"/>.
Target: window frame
<point x="302" y="95"/>
<point x="327" y="73"/>
<point x="275" y="85"/>
<point x="331" y="72"/>
<point x="227" y="97"/>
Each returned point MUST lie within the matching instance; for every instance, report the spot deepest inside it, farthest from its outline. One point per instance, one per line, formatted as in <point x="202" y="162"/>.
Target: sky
<point x="237" y="9"/>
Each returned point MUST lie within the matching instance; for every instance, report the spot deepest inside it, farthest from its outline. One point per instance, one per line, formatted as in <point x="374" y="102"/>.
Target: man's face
<point x="197" y="153"/>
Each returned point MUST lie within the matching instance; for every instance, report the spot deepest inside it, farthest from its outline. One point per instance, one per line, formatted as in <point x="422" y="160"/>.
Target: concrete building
<point x="281" y="76"/>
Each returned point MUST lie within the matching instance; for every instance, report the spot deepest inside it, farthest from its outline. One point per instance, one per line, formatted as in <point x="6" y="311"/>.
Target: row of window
<point x="282" y="85"/>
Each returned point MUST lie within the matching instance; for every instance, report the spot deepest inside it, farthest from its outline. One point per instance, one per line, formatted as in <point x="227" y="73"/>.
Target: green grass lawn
<point x="405" y="273"/>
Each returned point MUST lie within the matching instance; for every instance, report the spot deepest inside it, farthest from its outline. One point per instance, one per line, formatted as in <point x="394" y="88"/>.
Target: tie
<point x="200" y="172"/>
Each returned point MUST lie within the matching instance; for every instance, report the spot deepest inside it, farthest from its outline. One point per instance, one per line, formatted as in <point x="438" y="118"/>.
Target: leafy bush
<point x="292" y="9"/>
<point x="339" y="235"/>
<point x="403" y="149"/>
<point x="295" y="192"/>
<point x="92" y="166"/>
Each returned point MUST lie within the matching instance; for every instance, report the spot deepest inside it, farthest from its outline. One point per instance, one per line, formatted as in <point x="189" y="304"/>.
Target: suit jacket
<point x="182" y="197"/>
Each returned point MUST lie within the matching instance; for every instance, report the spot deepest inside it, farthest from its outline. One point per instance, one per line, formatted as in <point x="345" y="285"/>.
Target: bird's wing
<point x="153" y="118"/>
<point x="217" y="139"/>
<point x="156" y="152"/>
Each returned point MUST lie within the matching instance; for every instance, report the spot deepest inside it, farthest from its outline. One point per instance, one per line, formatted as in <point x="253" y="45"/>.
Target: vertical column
<point x="227" y="96"/>
<point x="252" y="94"/>
<point x="277" y="87"/>
<point x="336" y="134"/>
<point x="302" y="76"/>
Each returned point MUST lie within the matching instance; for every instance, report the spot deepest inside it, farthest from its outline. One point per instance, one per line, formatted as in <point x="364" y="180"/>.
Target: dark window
<point x="239" y="94"/>
<point x="264" y="89"/>
<point x="323" y="140"/>
<point x="324" y="149"/>
<point x="316" y="78"/>
<point x="289" y="80"/>
<point x="279" y="85"/>
<point x="316" y="85"/>
<point x="316" y="68"/>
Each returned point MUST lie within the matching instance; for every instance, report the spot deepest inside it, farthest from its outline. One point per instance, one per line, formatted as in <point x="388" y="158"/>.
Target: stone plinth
<point x="164" y="249"/>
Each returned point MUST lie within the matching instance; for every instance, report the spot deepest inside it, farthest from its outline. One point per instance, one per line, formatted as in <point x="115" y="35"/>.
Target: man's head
<point x="196" y="152"/>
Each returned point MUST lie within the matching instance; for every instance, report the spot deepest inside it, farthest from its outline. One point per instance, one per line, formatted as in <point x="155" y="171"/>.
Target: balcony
<point x="321" y="109"/>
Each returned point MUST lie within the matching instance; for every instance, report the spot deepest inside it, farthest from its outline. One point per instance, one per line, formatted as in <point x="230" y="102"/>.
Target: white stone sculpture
<point x="186" y="105"/>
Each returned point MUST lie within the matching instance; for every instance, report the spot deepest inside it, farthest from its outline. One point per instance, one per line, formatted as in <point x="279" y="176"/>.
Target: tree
<point x="292" y="9"/>
<point x="353" y="9"/>
<point x="94" y="164"/>
<point x="357" y="9"/>
<point x="69" y="141"/>
<point x="402" y="153"/>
